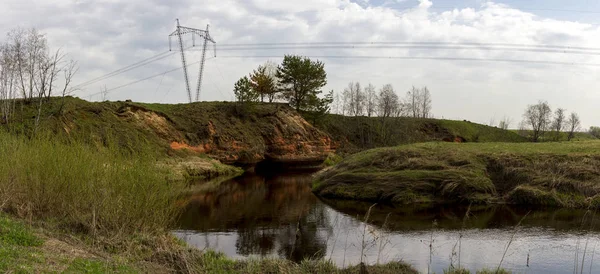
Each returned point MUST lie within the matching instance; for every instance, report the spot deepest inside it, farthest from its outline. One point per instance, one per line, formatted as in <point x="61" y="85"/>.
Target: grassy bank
<point x="550" y="174"/>
<point x="359" y="133"/>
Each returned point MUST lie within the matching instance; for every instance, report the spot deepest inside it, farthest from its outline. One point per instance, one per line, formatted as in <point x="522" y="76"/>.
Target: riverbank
<point x="32" y="248"/>
<point x="563" y="174"/>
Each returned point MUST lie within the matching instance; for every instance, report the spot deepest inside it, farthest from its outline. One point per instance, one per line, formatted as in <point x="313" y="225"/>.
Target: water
<point x="278" y="216"/>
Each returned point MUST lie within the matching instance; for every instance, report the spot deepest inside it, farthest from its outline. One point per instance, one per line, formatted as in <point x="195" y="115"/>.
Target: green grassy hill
<point x="564" y="174"/>
<point x="358" y="133"/>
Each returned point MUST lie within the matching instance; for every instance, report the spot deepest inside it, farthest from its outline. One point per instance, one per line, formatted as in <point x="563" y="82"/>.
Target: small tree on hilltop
<point x="263" y="84"/>
<point x="574" y="124"/>
<point x="244" y="92"/>
<point x="301" y="80"/>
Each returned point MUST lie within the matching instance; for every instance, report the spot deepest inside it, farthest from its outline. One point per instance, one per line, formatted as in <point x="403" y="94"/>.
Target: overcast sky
<point x="104" y="36"/>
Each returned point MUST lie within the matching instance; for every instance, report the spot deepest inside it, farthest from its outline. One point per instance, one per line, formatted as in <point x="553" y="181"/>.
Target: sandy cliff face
<point x="268" y="132"/>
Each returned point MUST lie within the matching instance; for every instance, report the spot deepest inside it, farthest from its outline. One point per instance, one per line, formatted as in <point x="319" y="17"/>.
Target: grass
<point x="555" y="174"/>
<point x="94" y="190"/>
<point x="359" y="133"/>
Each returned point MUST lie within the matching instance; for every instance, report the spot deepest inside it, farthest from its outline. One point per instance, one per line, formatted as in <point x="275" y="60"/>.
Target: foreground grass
<point x="554" y="174"/>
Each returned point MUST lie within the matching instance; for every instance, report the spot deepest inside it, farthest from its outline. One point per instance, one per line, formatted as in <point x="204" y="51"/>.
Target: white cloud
<point x="105" y="36"/>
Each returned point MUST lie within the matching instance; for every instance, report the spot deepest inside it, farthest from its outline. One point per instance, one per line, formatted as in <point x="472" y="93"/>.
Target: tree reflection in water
<point x="269" y="214"/>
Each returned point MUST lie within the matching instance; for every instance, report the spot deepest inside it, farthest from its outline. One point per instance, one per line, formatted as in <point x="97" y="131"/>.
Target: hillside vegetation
<point x="552" y="174"/>
<point x="354" y="134"/>
<point x="224" y="131"/>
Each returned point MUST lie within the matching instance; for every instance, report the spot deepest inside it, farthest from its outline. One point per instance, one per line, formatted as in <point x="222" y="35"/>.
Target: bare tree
<point x="336" y="104"/>
<point x="558" y="123"/>
<point x="425" y="101"/>
<point x="492" y="122"/>
<point x="413" y="100"/>
<point x="573" y="124"/>
<point x="7" y="83"/>
<point x="371" y="100"/>
<point x="31" y="70"/>
<point x="504" y="123"/>
<point x="355" y="98"/>
<point x="538" y="117"/>
<point x="388" y="101"/>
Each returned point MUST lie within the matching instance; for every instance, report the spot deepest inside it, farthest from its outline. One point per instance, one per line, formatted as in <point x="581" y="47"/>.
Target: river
<point x="278" y="216"/>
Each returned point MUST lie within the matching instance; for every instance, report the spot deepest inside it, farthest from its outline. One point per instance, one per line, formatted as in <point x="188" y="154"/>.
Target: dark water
<point x="278" y="216"/>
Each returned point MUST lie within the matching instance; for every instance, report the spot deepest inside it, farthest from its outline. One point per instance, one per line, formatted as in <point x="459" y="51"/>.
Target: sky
<point x="528" y="50"/>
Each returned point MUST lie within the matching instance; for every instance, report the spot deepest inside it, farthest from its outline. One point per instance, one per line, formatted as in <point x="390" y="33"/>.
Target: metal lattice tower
<point x="202" y="34"/>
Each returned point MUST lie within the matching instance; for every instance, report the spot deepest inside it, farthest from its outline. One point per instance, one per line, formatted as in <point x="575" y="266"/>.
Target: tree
<point x="425" y="101"/>
<point x="595" y="131"/>
<point x="263" y="84"/>
<point x="413" y="98"/>
<point x="388" y="101"/>
<point x="371" y="100"/>
<point x="244" y="92"/>
<point x="558" y="123"/>
<point x="30" y="70"/>
<point x="354" y="98"/>
<point x="319" y="107"/>
<point x="573" y="124"/>
<point x="538" y="117"/>
<point x="504" y="123"/>
<point x="300" y="79"/>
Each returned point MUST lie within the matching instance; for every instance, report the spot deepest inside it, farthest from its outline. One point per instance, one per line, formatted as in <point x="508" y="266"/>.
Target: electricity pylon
<point x="202" y="34"/>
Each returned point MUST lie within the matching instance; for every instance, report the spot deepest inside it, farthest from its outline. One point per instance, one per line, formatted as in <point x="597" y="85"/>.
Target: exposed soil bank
<point x="549" y="174"/>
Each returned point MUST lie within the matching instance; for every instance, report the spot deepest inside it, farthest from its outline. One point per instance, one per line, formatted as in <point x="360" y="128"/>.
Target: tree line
<point x="30" y="70"/>
<point x="356" y="101"/>
<point x="540" y="122"/>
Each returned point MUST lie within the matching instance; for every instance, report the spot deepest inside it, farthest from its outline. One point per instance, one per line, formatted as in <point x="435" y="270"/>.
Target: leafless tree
<point x="492" y="122"/>
<point x="371" y="100"/>
<point x="559" y="122"/>
<point x="8" y="79"/>
<point x="413" y="99"/>
<point x="573" y="124"/>
<point x="402" y="110"/>
<point x="504" y="123"/>
<point x="388" y="101"/>
<point x="355" y="98"/>
<point x="425" y="101"/>
<point x="538" y="117"/>
<point x="336" y="104"/>
<point x="31" y="70"/>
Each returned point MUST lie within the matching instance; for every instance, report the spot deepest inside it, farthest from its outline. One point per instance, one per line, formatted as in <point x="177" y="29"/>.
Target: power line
<point x="409" y="43"/>
<point x="398" y="6"/>
<point x="126" y="68"/>
<point x="427" y="58"/>
<point x="578" y="52"/>
<point x="143" y="79"/>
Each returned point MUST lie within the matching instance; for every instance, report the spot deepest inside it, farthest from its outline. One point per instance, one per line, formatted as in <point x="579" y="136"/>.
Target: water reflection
<point x="279" y="216"/>
<point x="270" y="215"/>
<point x="410" y="218"/>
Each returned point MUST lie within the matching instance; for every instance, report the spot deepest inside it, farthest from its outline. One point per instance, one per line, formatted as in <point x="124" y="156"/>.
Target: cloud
<point x="107" y="35"/>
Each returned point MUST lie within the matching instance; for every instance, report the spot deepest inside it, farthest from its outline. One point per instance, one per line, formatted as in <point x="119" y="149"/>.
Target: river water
<point x="278" y="216"/>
